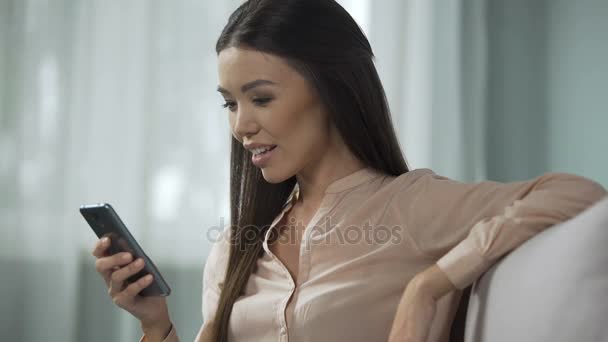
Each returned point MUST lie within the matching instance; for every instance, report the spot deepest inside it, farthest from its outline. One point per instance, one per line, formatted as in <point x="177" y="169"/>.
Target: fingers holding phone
<point x="134" y="283"/>
<point x="118" y="279"/>
<point x="106" y="264"/>
<point x="123" y="293"/>
<point x="116" y="269"/>
<point x="116" y="240"/>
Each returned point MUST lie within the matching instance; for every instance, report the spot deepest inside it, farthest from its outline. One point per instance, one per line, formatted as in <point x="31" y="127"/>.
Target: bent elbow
<point x="591" y="190"/>
<point x="587" y="190"/>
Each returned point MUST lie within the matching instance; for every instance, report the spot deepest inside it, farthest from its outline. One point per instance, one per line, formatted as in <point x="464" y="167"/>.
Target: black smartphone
<point x="105" y="222"/>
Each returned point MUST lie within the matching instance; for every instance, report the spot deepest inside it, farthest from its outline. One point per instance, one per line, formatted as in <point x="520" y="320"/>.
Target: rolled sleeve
<point x="463" y="264"/>
<point x="172" y="337"/>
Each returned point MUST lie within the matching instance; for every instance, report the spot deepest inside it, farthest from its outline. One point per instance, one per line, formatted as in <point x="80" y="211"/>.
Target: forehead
<point x="238" y="65"/>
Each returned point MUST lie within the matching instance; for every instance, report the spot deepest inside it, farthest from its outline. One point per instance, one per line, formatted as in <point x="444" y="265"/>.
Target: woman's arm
<point x="213" y="275"/>
<point x="416" y="308"/>
<point x="467" y="227"/>
<point x="204" y="335"/>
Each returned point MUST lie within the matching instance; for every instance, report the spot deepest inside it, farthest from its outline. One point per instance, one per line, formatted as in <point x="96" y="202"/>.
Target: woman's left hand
<point x="416" y="309"/>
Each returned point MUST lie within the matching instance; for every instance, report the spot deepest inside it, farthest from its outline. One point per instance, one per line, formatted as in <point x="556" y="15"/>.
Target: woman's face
<point x="269" y="103"/>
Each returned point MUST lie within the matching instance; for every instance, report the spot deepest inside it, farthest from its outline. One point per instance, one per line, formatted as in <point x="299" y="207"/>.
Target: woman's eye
<point x="262" y="101"/>
<point x="230" y="105"/>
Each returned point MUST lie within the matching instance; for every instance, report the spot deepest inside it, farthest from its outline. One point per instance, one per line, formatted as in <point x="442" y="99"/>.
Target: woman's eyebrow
<point x="248" y="86"/>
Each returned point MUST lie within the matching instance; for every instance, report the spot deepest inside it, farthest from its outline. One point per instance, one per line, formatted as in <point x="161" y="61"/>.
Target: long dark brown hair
<point x="319" y="39"/>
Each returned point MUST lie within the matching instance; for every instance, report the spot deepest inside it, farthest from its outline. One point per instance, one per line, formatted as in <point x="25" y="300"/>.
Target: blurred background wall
<point x="114" y="101"/>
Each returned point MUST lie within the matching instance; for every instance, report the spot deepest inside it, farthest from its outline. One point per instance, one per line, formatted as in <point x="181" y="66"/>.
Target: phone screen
<point x="105" y="222"/>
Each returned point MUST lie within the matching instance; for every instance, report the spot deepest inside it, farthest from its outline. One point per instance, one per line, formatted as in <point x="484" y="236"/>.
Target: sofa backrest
<point x="554" y="287"/>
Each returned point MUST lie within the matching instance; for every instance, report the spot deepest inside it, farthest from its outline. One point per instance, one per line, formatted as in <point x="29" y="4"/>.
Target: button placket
<point x="304" y="262"/>
<point x="283" y="319"/>
<point x="281" y="307"/>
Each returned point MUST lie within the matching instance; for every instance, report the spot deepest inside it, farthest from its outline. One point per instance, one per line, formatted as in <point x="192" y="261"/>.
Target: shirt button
<point x="282" y="331"/>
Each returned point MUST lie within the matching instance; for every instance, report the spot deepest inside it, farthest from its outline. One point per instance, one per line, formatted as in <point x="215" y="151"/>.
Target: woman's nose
<point x="244" y="123"/>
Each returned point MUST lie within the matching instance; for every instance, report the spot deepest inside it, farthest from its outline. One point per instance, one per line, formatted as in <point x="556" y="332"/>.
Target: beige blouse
<point x="371" y="235"/>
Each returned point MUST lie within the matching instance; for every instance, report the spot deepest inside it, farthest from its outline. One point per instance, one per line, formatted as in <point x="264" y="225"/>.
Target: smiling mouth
<point x="263" y="151"/>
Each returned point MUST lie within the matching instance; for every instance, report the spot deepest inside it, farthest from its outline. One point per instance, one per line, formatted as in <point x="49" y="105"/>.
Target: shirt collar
<point x="341" y="184"/>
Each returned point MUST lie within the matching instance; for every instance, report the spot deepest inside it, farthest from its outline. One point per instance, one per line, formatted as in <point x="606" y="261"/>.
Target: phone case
<point x="105" y="222"/>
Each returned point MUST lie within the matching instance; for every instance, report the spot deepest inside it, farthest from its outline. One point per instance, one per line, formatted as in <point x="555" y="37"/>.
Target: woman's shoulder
<point x="418" y="184"/>
<point x="220" y="248"/>
<point x="220" y="239"/>
<point x="415" y="176"/>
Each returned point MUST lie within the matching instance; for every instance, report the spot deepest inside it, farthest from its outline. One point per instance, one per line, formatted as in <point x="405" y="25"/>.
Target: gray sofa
<point x="554" y="288"/>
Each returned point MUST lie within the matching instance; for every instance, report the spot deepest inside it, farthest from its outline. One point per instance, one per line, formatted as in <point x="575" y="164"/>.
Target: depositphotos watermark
<point x="325" y="232"/>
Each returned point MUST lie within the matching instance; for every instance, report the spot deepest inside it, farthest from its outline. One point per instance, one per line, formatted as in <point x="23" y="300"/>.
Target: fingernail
<point x="126" y="257"/>
<point x="104" y="240"/>
<point x="148" y="278"/>
<point x="139" y="262"/>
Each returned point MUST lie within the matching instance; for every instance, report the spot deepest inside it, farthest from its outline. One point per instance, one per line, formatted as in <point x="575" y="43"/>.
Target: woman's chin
<point x="271" y="175"/>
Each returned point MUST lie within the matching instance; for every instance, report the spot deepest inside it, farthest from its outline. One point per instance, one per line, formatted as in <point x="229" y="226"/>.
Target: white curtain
<point x="431" y="56"/>
<point x="106" y="101"/>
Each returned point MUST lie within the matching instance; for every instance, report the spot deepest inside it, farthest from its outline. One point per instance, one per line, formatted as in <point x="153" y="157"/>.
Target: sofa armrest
<point x="554" y="287"/>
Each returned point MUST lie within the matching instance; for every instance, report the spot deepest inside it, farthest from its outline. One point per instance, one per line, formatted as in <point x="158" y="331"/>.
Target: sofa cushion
<point x="554" y="287"/>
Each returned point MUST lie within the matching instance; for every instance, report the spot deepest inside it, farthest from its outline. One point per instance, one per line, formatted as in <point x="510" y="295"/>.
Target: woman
<point x="332" y="237"/>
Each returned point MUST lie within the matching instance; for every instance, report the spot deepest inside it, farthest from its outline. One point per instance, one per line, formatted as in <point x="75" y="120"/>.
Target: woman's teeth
<point x="262" y="149"/>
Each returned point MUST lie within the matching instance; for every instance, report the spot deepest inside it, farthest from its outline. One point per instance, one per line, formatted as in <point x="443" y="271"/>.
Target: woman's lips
<point x="262" y="159"/>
